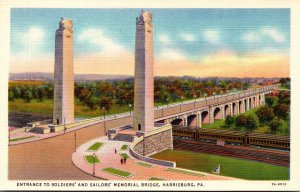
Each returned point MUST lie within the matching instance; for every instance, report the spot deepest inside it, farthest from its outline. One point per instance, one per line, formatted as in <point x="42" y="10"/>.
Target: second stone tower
<point x="144" y="81"/>
<point x="63" y="106"/>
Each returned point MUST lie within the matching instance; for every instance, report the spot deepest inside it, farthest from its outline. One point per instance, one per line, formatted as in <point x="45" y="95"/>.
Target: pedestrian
<point x="124" y="160"/>
<point x="121" y="161"/>
<point x="115" y="150"/>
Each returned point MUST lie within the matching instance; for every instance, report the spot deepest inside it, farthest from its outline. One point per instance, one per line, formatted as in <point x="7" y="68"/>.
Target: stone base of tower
<point x="155" y="141"/>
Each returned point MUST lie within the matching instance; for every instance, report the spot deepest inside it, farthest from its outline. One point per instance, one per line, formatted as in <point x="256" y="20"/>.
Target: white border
<point x="294" y="5"/>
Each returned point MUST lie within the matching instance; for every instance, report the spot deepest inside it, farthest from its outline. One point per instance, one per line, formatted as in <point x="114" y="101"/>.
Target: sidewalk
<point x="106" y="154"/>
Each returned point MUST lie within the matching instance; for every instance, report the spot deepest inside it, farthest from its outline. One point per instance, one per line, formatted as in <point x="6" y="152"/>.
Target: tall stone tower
<point x="143" y="119"/>
<point x="63" y="106"/>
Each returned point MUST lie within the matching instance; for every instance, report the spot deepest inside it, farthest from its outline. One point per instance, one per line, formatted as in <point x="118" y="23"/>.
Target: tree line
<point x="273" y="115"/>
<point x="104" y="94"/>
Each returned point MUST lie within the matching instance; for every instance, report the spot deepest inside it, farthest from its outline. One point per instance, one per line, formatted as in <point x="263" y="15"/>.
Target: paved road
<point x="51" y="158"/>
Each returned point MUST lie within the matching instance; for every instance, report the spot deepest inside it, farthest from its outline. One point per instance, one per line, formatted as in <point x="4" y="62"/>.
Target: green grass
<point x="184" y="172"/>
<point x="90" y="159"/>
<point x="218" y="124"/>
<point x="144" y="164"/>
<point x="95" y="146"/>
<point x="232" y="167"/>
<point x="21" y="138"/>
<point x="124" y="147"/>
<point x="155" y="179"/>
<point x="124" y="155"/>
<point x="117" y="172"/>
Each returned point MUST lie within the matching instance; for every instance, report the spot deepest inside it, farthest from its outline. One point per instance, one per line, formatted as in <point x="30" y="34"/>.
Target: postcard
<point x="135" y="95"/>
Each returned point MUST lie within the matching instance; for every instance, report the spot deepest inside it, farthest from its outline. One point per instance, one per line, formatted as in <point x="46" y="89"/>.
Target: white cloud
<point x="172" y="54"/>
<point x="251" y="37"/>
<point x="163" y="38"/>
<point x="274" y="34"/>
<point x="97" y="37"/>
<point x="31" y="42"/>
<point x="187" y="37"/>
<point x="264" y="34"/>
<point x="212" y="36"/>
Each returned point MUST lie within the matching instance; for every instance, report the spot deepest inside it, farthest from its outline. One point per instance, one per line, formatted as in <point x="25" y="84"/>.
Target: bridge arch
<point x="254" y="102"/>
<point x="205" y="117"/>
<point x="177" y="122"/>
<point x="241" y="110"/>
<point x="192" y="120"/>
<point x="259" y="100"/>
<point x="226" y="110"/>
<point x="234" y="109"/>
<point x="217" y="113"/>
<point x="250" y="103"/>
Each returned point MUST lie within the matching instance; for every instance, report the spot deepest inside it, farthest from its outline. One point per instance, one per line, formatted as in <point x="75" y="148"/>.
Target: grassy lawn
<point x="124" y="147"/>
<point x="95" y="146"/>
<point x="218" y="124"/>
<point x="21" y="138"/>
<point x="184" y="172"/>
<point x="90" y="159"/>
<point x="155" y="179"/>
<point x="232" y="167"/>
<point x="117" y="172"/>
<point x="144" y="164"/>
<point x="46" y="107"/>
<point x="124" y="155"/>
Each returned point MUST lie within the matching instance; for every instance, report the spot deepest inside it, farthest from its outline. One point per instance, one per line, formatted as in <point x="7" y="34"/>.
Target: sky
<point x="195" y="42"/>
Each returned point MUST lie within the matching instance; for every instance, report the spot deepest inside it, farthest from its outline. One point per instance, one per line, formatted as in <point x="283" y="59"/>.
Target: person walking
<point x="121" y="161"/>
<point x="124" y="160"/>
<point x="115" y="150"/>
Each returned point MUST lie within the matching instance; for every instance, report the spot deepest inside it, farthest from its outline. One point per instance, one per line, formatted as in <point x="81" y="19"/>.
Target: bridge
<point x="188" y="113"/>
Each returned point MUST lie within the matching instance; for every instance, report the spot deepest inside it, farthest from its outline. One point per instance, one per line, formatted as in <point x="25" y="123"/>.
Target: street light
<point x="75" y="140"/>
<point x="195" y="101"/>
<point x="130" y="109"/>
<point x="94" y="163"/>
<point x="104" y="120"/>
<point x="65" y="125"/>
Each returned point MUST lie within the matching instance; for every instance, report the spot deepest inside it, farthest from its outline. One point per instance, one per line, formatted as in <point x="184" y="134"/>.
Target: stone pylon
<point x="143" y="119"/>
<point x="63" y="106"/>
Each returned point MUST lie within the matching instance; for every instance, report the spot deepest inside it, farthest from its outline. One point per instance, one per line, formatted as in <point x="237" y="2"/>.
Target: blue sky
<point x="195" y="36"/>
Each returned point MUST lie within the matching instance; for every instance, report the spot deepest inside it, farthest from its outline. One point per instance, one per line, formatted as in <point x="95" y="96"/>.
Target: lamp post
<point x="195" y="101"/>
<point x="104" y="110"/>
<point x="130" y="106"/>
<point x="75" y="140"/>
<point x="65" y="125"/>
<point x="94" y="163"/>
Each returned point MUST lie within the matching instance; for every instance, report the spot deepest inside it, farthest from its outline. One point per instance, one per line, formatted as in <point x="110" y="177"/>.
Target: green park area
<point x="124" y="155"/>
<point x="117" y="172"/>
<point x="144" y="164"/>
<point x="184" y="172"/>
<point x="124" y="147"/>
<point x="91" y="160"/>
<point x="155" y="179"/>
<point x="21" y="138"/>
<point x="232" y="167"/>
<point x="95" y="146"/>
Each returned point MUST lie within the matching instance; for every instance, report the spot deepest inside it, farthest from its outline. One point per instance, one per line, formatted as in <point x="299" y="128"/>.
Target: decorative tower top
<point x="66" y="24"/>
<point x="145" y="16"/>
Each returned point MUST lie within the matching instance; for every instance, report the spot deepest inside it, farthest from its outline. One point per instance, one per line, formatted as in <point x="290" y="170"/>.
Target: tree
<point x="275" y="124"/>
<point x="91" y="102"/>
<point x="229" y="121"/>
<point x="28" y="96"/>
<point x="105" y="102"/>
<point x="11" y="96"/>
<point x="281" y="110"/>
<point x="241" y="121"/>
<point x="265" y="114"/>
<point x="252" y="122"/>
<point x="271" y="101"/>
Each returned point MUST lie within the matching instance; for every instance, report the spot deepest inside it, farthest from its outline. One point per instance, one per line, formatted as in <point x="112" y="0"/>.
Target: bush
<point x="252" y="122"/>
<point x="229" y="121"/>
<point x="241" y="121"/>
<point x="265" y="114"/>
<point x="275" y="124"/>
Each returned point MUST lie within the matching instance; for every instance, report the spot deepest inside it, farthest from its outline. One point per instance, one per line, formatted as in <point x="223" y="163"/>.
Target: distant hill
<point x="78" y="77"/>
